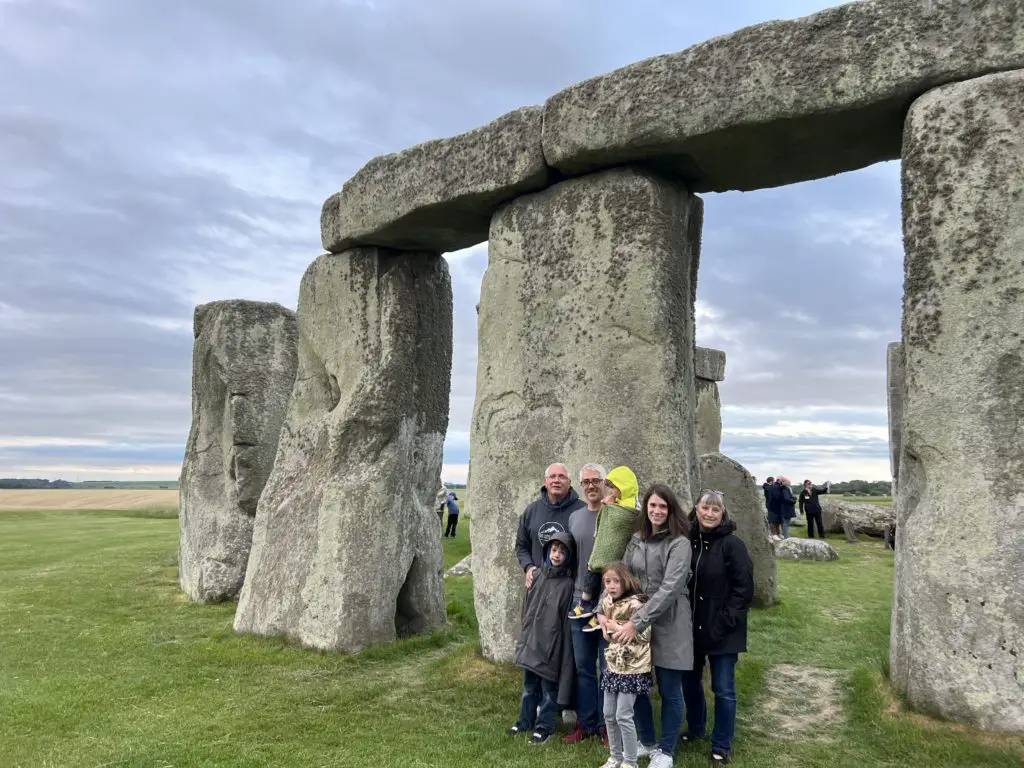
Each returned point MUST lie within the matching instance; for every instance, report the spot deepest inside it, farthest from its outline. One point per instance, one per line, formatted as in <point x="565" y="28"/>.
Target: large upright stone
<point x="744" y="502"/>
<point x="895" y="385"/>
<point x="957" y="646"/>
<point x="346" y="549"/>
<point x="783" y="101"/>
<point x="586" y="346"/>
<point x="438" y="195"/>
<point x="709" y="369"/>
<point x="243" y="368"/>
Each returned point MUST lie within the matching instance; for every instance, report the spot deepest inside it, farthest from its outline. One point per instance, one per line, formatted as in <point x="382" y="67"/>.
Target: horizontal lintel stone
<point x="783" y="101"/>
<point x="709" y="364"/>
<point x="438" y="195"/>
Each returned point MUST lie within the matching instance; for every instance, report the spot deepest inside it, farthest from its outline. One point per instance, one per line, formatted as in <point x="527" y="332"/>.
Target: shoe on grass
<point x="718" y="758"/>
<point x="577" y="735"/>
<point x="539" y="737"/>
<point x="660" y="760"/>
<point x="611" y="762"/>
<point x="515" y="730"/>
<point x="642" y="750"/>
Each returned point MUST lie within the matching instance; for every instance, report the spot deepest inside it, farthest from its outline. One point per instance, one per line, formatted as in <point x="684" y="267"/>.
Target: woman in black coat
<point x="721" y="589"/>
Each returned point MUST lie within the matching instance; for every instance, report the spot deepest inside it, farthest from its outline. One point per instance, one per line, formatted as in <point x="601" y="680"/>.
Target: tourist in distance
<point x="586" y="646"/>
<point x="627" y="663"/>
<point x="810" y="507"/>
<point x="543" y="650"/>
<point x="721" y="590"/>
<point x="774" y="501"/>
<point x="614" y="525"/>
<point x="453" y="514"/>
<point x="787" y="505"/>
<point x="658" y="555"/>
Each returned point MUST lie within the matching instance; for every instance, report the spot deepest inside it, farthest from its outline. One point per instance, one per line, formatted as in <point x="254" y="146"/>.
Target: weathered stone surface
<point x="572" y="366"/>
<point x="957" y="641"/>
<point x="462" y="568"/>
<point x="784" y="101"/>
<point x="872" y="519"/>
<point x="243" y="368"/>
<point x="709" y="364"/>
<point x="744" y="502"/>
<point x="346" y="549"/>
<point x="438" y="195"/>
<point x="804" y="549"/>
<point x="895" y="387"/>
<point x="709" y="416"/>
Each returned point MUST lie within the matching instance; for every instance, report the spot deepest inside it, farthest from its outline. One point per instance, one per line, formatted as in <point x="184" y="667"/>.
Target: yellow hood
<point x="624" y="479"/>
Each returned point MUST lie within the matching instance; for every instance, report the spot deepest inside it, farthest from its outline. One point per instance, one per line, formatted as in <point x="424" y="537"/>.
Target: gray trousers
<point x="618" y="718"/>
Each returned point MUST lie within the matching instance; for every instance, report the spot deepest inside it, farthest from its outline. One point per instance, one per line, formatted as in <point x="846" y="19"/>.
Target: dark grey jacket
<point x="539" y="522"/>
<point x="545" y="645"/>
<point x="663" y="567"/>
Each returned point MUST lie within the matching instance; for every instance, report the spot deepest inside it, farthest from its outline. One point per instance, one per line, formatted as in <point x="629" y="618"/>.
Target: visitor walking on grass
<point x="810" y="507"/>
<point x="658" y="555"/>
<point x="453" y="515"/>
<point x="544" y="651"/>
<point x="721" y="589"/>
<point x="628" y="663"/>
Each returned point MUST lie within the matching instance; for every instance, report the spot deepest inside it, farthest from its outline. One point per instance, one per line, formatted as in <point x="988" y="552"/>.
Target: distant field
<point x="88" y="499"/>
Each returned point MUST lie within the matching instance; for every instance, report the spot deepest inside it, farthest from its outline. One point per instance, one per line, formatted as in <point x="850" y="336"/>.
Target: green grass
<point x="102" y="663"/>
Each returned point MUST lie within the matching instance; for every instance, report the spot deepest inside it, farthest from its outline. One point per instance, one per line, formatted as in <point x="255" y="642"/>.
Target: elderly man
<point x="586" y="646"/>
<point x="543" y="518"/>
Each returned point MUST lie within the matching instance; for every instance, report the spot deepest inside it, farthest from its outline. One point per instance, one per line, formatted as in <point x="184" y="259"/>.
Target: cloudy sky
<point x="156" y="155"/>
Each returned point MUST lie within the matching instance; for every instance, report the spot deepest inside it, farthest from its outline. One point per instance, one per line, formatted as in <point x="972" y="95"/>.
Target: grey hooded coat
<point x="663" y="567"/>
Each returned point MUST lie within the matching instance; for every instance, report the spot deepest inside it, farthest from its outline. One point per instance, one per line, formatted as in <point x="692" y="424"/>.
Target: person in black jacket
<point x="787" y="505"/>
<point x="773" y="498"/>
<point x="721" y="589"/>
<point x="811" y="507"/>
<point x="544" y="648"/>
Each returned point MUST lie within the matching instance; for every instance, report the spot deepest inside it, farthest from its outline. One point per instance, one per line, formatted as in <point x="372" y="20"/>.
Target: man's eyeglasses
<point x="591" y="481"/>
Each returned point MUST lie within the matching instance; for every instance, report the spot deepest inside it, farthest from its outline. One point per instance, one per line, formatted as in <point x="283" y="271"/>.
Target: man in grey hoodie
<point x="543" y="518"/>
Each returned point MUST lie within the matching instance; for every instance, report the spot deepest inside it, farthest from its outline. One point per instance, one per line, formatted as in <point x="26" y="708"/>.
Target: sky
<point x="157" y="155"/>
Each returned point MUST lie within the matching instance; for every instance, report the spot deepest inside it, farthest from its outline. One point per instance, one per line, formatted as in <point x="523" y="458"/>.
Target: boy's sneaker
<point x="515" y="730"/>
<point x="592" y="625"/>
<point x="717" y="758"/>
<point x="539" y="737"/>
<point x="582" y="610"/>
<point x="642" y="750"/>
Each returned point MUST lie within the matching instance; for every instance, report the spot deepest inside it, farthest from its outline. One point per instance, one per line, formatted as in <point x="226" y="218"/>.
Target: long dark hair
<point x="676" y="523"/>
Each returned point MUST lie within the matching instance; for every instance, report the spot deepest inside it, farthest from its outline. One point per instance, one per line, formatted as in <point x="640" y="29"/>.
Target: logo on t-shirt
<point x="547" y="530"/>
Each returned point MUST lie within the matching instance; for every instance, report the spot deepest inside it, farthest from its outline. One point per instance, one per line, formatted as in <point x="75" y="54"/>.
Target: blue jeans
<point x="538" y="692"/>
<point x="670" y="686"/>
<point x="586" y="650"/>
<point x="723" y="685"/>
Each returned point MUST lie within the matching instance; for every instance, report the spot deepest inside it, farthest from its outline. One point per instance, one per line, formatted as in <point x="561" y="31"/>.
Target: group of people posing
<point x="621" y="597"/>
<point x="781" y="506"/>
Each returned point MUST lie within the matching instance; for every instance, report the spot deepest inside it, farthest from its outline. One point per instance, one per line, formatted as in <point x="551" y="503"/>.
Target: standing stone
<point x="744" y="502"/>
<point x="243" y="368"/>
<point x="708" y="370"/>
<point x="896" y="386"/>
<point x="586" y="331"/>
<point x="346" y="550"/>
<point x="957" y="646"/>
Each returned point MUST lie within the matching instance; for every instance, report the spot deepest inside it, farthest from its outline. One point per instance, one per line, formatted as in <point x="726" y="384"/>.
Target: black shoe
<point x="718" y="758"/>
<point x="689" y="738"/>
<point x="539" y="737"/>
<point x="515" y="730"/>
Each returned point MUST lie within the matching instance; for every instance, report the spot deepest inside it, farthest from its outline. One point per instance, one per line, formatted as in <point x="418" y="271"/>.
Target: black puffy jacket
<point x="721" y="589"/>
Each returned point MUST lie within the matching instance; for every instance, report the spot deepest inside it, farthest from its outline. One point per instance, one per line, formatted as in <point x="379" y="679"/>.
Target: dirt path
<point x="801" y="703"/>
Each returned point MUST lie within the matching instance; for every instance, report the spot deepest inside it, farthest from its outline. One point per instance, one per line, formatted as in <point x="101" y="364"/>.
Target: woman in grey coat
<point x="659" y="556"/>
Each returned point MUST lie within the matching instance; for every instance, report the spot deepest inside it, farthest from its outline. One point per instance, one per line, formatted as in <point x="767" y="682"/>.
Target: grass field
<point x="75" y="498"/>
<point x="104" y="664"/>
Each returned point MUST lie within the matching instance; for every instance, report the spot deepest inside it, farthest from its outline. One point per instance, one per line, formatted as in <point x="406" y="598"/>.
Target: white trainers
<point x="660" y="760"/>
<point x="612" y="763"/>
<point x="642" y="750"/>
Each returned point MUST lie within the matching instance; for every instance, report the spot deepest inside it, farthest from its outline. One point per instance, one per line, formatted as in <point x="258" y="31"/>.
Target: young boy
<point x="616" y="522"/>
<point x="544" y="649"/>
